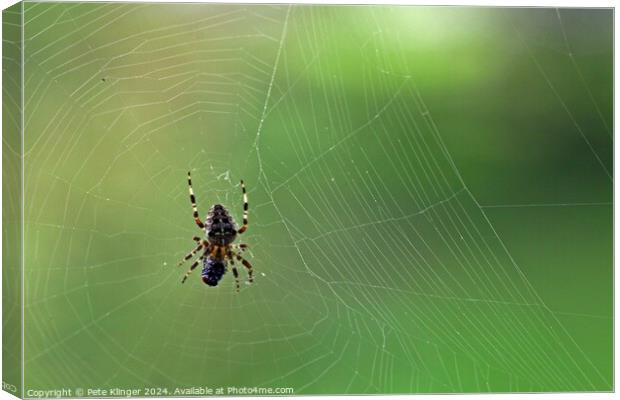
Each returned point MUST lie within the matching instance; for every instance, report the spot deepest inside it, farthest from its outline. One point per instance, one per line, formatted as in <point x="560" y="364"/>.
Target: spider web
<point x="377" y="269"/>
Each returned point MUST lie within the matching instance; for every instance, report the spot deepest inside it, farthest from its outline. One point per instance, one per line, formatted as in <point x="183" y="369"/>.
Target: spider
<point x="218" y="248"/>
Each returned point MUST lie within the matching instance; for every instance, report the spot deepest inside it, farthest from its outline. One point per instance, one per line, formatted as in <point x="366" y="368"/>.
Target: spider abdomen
<point x="213" y="270"/>
<point x="220" y="226"/>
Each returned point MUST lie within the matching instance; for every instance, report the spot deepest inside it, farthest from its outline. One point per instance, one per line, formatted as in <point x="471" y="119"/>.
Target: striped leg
<point x="204" y="243"/>
<point x="241" y="247"/>
<point x="235" y="273"/>
<point x="193" y="267"/>
<point x="247" y="265"/>
<point x="245" y="210"/>
<point x="192" y="198"/>
<point x="190" y="254"/>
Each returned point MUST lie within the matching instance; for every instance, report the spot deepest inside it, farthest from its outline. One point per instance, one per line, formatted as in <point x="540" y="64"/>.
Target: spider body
<point x="217" y="247"/>
<point x="213" y="271"/>
<point x="220" y="226"/>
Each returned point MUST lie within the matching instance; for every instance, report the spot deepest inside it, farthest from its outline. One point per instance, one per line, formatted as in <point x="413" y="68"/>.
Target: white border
<point x="543" y="3"/>
<point x="485" y="3"/>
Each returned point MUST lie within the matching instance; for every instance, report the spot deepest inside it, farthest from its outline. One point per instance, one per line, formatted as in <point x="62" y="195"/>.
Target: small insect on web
<point x="217" y="247"/>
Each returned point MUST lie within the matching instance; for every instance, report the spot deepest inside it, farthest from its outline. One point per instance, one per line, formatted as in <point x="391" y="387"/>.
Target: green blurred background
<point x="430" y="196"/>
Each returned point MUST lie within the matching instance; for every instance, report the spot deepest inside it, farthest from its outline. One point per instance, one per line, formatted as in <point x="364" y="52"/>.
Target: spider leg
<point x="240" y="247"/>
<point x="218" y="252"/>
<point x="235" y="272"/>
<point x="193" y="267"/>
<point x="190" y="254"/>
<point x="204" y="243"/>
<point x="247" y="265"/>
<point x="245" y="210"/>
<point x="192" y="198"/>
